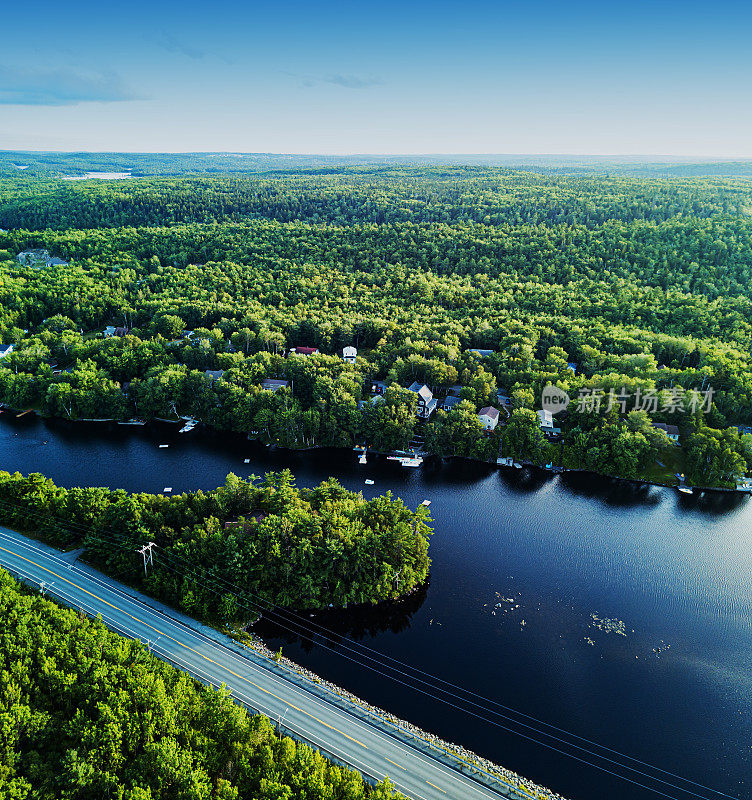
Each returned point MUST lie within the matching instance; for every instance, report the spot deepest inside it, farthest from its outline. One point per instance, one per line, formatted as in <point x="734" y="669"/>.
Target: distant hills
<point x="59" y="165"/>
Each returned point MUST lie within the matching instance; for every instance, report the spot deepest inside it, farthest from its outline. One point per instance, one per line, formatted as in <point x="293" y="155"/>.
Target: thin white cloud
<point x="60" y="87"/>
<point x="172" y="44"/>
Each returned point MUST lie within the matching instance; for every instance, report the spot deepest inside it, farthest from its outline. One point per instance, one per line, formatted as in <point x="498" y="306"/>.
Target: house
<point x="546" y="421"/>
<point x="39" y="258"/>
<point x="426" y="403"/>
<point x="489" y="416"/>
<point x="572" y="367"/>
<point x="670" y="430"/>
<point x="111" y="330"/>
<point x="5" y="350"/>
<point x="350" y="354"/>
<point x="449" y="402"/>
<point x="274" y="385"/>
<point x="378" y="387"/>
<point x="214" y="374"/>
<point x="376" y="400"/>
<point x="481" y="353"/>
<point x="304" y="351"/>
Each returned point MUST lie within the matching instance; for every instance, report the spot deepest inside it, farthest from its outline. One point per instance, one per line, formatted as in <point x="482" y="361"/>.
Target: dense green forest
<point x="228" y="554"/>
<point x="89" y="715"/>
<point x="589" y="282"/>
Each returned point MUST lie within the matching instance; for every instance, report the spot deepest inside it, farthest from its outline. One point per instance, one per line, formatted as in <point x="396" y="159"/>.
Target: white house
<point x="426" y="403"/>
<point x="489" y="416"/>
<point x="350" y="353"/>
<point x="5" y="350"/>
<point x="547" y="422"/>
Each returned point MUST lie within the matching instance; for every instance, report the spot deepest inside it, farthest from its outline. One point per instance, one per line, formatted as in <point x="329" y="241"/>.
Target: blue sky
<point x="412" y="77"/>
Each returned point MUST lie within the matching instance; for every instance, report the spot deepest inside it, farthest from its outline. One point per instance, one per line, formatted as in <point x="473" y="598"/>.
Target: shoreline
<point x="557" y="471"/>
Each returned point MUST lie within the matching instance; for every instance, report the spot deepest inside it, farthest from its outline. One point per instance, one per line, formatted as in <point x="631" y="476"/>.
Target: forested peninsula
<point x="227" y="555"/>
<point x="482" y="284"/>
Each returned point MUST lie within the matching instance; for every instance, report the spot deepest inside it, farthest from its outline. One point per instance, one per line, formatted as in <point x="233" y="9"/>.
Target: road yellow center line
<point x="435" y="786"/>
<point x="396" y="764"/>
<point x="185" y="646"/>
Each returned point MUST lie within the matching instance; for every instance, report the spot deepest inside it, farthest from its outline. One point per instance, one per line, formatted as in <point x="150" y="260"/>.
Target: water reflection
<point x="331" y="627"/>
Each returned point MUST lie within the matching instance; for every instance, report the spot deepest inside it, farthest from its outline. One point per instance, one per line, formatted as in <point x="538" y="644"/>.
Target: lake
<point x="670" y="572"/>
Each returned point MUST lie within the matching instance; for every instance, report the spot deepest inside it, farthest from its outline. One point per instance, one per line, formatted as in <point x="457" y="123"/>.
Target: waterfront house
<point x="5" y="350"/>
<point x="349" y="354"/>
<point x="449" y="402"/>
<point x="274" y="384"/>
<point x="304" y="351"/>
<point x="670" y="430"/>
<point x="489" y="416"/>
<point x="546" y="421"/>
<point x="426" y="403"/>
<point x="214" y="374"/>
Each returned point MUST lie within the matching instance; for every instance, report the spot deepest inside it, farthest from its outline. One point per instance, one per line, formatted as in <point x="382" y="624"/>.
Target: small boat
<point x="685" y="489"/>
<point x="426" y="503"/>
<point x="246" y="460"/>
<point x="167" y="489"/>
<point x="407" y="461"/>
<point x="163" y="445"/>
<point x="369" y="482"/>
<point x="133" y="421"/>
<point x="189" y="426"/>
<point x="517" y="465"/>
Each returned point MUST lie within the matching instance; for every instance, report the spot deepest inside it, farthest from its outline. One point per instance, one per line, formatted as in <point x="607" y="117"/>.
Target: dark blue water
<point x="677" y="571"/>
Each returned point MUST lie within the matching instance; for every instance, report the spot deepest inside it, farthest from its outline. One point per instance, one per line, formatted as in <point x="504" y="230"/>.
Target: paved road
<point x="366" y="746"/>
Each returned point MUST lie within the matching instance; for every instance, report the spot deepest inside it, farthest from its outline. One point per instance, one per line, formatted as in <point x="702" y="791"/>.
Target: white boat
<point x="407" y="461"/>
<point x="163" y="445"/>
<point x="369" y="482"/>
<point x="189" y="426"/>
<point x="246" y="460"/>
<point x="133" y="421"/>
<point x="167" y="489"/>
<point x="426" y="503"/>
<point x="685" y="489"/>
<point x="517" y="465"/>
<point x="362" y="459"/>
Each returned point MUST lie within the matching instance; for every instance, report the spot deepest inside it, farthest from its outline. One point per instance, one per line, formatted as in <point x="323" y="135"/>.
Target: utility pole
<point x="43" y="586"/>
<point x="396" y="578"/>
<point x="148" y="554"/>
<point x="280" y="717"/>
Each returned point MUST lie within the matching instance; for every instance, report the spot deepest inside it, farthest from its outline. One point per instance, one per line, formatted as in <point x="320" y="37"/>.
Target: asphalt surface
<point x="366" y="746"/>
